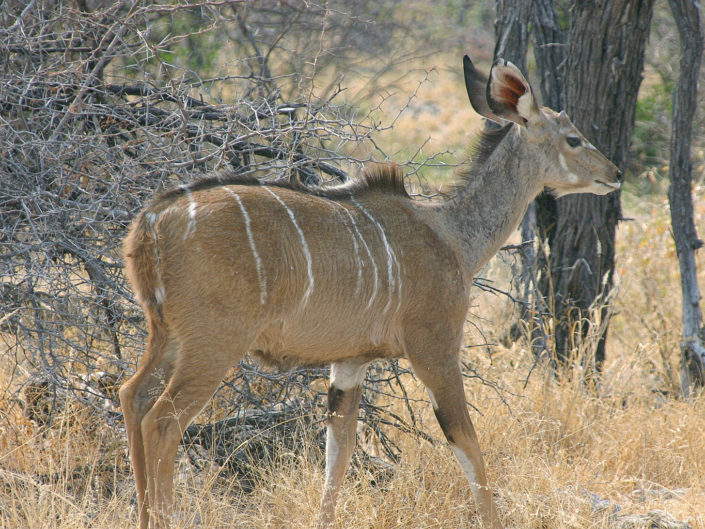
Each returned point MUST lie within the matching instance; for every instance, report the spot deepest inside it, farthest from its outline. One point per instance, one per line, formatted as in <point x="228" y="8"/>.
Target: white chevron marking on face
<point x="572" y="177"/>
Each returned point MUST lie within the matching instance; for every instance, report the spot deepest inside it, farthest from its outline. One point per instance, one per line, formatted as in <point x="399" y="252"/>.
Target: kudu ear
<point x="509" y="94"/>
<point x="476" y="85"/>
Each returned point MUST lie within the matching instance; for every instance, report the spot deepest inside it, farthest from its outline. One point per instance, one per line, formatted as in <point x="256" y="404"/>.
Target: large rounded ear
<point x="509" y="95"/>
<point x="476" y="85"/>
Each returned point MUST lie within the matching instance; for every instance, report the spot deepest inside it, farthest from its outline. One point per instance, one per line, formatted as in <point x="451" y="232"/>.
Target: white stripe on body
<point x="159" y="292"/>
<point x="391" y="256"/>
<point x="307" y="253"/>
<point x="260" y="273"/>
<point x="191" y="213"/>
<point x="369" y="254"/>
<point x="356" y="246"/>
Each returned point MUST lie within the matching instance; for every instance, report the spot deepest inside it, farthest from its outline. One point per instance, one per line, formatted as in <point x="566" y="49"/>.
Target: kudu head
<point x="568" y="163"/>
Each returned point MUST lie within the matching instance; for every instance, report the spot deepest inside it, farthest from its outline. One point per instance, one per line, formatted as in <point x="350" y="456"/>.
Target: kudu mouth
<point x="613" y="185"/>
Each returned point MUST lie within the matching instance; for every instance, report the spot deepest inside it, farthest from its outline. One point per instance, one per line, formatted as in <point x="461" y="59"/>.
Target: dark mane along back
<point x="482" y="148"/>
<point x="382" y="178"/>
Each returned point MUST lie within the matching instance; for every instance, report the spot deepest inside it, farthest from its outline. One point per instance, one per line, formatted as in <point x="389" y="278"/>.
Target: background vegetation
<point x="103" y="103"/>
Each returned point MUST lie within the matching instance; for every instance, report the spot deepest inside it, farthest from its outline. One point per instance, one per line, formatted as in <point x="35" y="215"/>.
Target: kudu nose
<point x="618" y="176"/>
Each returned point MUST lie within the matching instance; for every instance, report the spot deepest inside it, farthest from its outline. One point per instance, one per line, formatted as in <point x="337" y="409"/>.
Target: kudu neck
<point x="491" y="202"/>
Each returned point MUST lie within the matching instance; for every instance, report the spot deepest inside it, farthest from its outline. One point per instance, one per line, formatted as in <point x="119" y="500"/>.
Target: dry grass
<point x="558" y="454"/>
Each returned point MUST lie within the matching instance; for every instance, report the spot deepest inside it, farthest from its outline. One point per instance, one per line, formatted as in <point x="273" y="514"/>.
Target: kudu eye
<point x="573" y="141"/>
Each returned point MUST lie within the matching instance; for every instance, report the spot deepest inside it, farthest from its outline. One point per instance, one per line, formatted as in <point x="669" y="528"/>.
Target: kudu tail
<point x="142" y="263"/>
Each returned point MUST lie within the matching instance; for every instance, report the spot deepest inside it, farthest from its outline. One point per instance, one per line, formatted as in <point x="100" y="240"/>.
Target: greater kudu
<point x="341" y="275"/>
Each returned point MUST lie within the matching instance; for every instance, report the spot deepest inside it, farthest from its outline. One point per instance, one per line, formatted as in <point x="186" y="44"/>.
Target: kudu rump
<point x="339" y="275"/>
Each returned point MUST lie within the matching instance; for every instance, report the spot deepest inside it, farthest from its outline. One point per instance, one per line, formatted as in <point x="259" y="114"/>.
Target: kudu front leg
<point x="445" y="388"/>
<point x="343" y="402"/>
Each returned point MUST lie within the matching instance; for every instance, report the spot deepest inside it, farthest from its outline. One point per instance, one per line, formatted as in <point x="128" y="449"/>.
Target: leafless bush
<point x="101" y="104"/>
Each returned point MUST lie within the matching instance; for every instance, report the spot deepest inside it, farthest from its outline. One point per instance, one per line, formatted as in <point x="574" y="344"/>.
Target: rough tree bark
<point x="512" y="31"/>
<point x="686" y="14"/>
<point x="604" y="63"/>
<point x="549" y="51"/>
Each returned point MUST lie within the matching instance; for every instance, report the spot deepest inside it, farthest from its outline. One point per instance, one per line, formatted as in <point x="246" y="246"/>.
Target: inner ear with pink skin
<point x="505" y="95"/>
<point x="509" y="94"/>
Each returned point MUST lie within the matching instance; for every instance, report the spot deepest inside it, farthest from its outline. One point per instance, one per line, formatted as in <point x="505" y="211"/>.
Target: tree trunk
<point x="549" y="51"/>
<point x="604" y="63"/>
<point x="686" y="14"/>
<point x="512" y="31"/>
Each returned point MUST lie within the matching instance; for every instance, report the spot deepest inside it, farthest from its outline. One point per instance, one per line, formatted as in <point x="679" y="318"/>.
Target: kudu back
<point x="341" y="275"/>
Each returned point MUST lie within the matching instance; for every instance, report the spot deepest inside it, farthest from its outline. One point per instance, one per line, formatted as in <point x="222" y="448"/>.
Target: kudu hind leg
<point x="343" y="402"/>
<point x="193" y="382"/>
<point x="137" y="396"/>
<point x="445" y="388"/>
